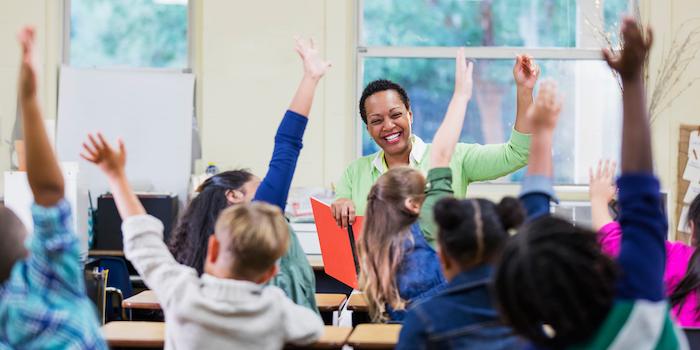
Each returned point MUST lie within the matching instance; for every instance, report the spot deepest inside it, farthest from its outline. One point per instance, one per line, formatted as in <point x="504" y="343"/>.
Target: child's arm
<point x="54" y="248"/>
<point x="44" y="174"/>
<point x="302" y="326"/>
<point x="601" y="190"/>
<point x="537" y="190"/>
<point x="274" y="188"/>
<point x="642" y="255"/>
<point x="446" y="138"/>
<point x="143" y="234"/>
<point x="447" y="135"/>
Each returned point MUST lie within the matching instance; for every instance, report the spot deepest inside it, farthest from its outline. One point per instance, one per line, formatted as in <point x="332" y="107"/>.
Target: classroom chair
<point x="118" y="286"/>
<point x="693" y="335"/>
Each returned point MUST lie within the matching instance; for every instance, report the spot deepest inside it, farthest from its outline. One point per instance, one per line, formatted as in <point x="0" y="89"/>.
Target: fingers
<point x="470" y="69"/>
<point x="122" y="147"/>
<point x="88" y="158"/>
<point x="650" y="38"/>
<point x="90" y="150"/>
<point x="610" y="59"/>
<point x="344" y="217"/>
<point x="95" y="145"/>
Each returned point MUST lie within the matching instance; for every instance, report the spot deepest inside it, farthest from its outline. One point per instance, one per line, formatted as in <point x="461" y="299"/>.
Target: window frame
<point x="589" y="51"/>
<point x="191" y="8"/>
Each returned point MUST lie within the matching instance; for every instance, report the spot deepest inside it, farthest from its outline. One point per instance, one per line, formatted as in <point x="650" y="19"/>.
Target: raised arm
<point x="274" y="188"/>
<point x="447" y="135"/>
<point x="644" y="227"/>
<point x="537" y="190"/>
<point x="525" y="73"/>
<point x="601" y="190"/>
<point x="44" y="174"/>
<point x="143" y="234"/>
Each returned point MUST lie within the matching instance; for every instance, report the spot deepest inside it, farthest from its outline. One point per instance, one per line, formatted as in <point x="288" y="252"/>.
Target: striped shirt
<point x="43" y="304"/>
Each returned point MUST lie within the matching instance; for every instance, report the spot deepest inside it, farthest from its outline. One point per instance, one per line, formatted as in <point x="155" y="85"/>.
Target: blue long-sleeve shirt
<point x="274" y="187"/>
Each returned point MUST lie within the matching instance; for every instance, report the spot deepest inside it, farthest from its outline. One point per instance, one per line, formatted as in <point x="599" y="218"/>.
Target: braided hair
<point x="554" y="285"/>
<point x="188" y="242"/>
<point x="473" y="231"/>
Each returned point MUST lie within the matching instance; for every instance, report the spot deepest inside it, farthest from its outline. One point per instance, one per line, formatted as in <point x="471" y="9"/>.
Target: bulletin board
<point x="683" y="184"/>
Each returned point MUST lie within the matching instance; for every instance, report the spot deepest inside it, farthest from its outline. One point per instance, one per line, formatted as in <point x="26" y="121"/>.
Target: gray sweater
<point x="209" y="312"/>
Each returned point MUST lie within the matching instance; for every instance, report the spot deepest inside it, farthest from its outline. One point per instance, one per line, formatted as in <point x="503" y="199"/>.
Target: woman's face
<point x="389" y="122"/>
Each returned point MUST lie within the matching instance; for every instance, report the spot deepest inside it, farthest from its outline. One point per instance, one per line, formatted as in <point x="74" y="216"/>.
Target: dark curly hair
<point x="554" y="285"/>
<point x="188" y="242"/>
<point x="379" y="86"/>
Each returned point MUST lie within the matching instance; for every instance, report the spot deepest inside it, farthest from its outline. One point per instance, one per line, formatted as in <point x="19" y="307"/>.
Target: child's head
<point x="12" y="248"/>
<point x="471" y="232"/>
<point x="691" y="281"/>
<point x="393" y="205"/>
<point x="248" y="241"/>
<point x="189" y="239"/>
<point x="554" y="285"/>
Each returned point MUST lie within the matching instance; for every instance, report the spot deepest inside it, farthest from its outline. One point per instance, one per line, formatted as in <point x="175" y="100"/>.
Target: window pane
<point x="129" y="33"/>
<point x="588" y="129"/>
<point x="530" y="23"/>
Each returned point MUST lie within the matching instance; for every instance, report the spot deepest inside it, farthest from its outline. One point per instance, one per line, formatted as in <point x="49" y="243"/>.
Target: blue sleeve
<point x="274" y="188"/>
<point x="536" y="194"/>
<point x="413" y="333"/>
<point x="642" y="256"/>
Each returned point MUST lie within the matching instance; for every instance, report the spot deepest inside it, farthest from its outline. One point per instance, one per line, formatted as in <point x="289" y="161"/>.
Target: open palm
<point x="99" y="152"/>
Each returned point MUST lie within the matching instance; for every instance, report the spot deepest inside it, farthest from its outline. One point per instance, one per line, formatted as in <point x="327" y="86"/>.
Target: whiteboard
<point x="152" y="111"/>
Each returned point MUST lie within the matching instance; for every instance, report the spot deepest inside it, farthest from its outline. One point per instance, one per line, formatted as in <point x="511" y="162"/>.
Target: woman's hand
<point x="343" y="211"/>
<point x="525" y="72"/>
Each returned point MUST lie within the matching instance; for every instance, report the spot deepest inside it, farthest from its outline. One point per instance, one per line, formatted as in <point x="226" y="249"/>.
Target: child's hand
<point x="27" y="75"/>
<point x="525" y="71"/>
<point x="463" y="75"/>
<point x="314" y="66"/>
<point x="602" y="187"/>
<point x="630" y="61"/>
<point x="111" y="161"/>
<point x="544" y="113"/>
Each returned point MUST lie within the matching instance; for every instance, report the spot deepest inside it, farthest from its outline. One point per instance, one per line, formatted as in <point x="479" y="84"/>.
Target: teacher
<point x="385" y="109"/>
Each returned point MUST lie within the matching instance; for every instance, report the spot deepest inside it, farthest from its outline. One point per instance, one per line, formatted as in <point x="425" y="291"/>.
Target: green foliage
<point x="131" y="33"/>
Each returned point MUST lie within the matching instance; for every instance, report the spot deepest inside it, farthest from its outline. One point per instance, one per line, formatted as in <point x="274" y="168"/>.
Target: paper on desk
<point x="683" y="221"/>
<point x="692" y="168"/>
<point x="693" y="191"/>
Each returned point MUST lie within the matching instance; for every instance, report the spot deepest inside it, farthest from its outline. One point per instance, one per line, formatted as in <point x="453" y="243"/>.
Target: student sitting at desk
<point x="43" y="304"/>
<point x="189" y="240"/>
<point x="229" y="306"/>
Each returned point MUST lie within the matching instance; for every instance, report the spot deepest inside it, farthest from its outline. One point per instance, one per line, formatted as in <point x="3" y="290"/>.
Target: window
<point x="414" y="43"/>
<point x="128" y="33"/>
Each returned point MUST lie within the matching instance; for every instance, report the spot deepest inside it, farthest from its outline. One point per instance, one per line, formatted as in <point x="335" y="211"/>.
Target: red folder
<point x="338" y="248"/>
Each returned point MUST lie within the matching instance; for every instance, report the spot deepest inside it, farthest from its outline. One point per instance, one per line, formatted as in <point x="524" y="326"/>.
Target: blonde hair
<point x="384" y="234"/>
<point x="255" y="235"/>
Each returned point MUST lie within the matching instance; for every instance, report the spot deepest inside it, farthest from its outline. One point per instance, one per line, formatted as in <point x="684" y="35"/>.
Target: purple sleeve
<point x="274" y="188"/>
<point x="610" y="237"/>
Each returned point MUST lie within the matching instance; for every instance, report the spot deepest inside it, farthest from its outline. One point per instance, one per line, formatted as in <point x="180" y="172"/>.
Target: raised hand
<point x="525" y="71"/>
<point x="27" y="75"/>
<point x="314" y="66"/>
<point x="463" y="75"/>
<point x="544" y="113"/>
<point x="602" y="187"/>
<point x="629" y="62"/>
<point x="110" y="160"/>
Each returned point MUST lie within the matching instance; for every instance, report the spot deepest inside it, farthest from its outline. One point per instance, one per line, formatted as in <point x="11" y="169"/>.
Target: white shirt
<point x="211" y="312"/>
<point x="418" y="149"/>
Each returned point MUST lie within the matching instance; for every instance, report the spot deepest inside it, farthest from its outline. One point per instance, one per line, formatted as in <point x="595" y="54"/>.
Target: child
<point x="228" y="306"/>
<point x="682" y="273"/>
<point x="398" y="266"/>
<point x="42" y="296"/>
<point x="189" y="241"/>
<point x="554" y="285"/>
<point x="471" y="233"/>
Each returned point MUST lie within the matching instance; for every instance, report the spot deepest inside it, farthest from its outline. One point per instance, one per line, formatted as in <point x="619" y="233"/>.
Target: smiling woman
<point x="385" y="109"/>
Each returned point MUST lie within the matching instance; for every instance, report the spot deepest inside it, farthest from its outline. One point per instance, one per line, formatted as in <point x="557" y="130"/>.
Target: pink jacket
<point x="677" y="258"/>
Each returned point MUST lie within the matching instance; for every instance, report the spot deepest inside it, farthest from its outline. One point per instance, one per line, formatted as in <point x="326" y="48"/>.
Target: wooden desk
<point x="131" y="334"/>
<point x="375" y="336"/>
<point x="316" y="262"/>
<point x="332" y="338"/>
<point x="358" y="303"/>
<point x="329" y="302"/>
<point x="145" y="300"/>
<point x="106" y="253"/>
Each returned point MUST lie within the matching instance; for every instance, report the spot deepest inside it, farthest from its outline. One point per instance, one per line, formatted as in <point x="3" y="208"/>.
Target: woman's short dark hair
<point x="379" y="86"/>
<point x="189" y="240"/>
<point x="554" y="285"/>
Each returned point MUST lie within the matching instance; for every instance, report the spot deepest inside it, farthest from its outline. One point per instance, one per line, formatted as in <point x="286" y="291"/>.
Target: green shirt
<point x="470" y="163"/>
<point x="438" y="186"/>
<point x="295" y="276"/>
